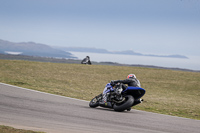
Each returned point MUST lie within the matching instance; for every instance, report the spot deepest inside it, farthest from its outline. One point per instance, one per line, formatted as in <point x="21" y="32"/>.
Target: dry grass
<point x="167" y="91"/>
<point x="7" y="129"/>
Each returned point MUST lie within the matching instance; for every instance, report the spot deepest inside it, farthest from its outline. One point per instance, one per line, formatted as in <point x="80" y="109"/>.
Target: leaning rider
<point x="131" y="80"/>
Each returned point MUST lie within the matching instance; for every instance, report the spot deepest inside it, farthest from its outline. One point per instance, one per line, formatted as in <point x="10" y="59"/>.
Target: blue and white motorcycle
<point x="119" y="99"/>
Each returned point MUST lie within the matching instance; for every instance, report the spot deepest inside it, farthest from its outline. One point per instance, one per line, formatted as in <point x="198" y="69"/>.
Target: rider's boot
<point x="141" y="100"/>
<point x="137" y="101"/>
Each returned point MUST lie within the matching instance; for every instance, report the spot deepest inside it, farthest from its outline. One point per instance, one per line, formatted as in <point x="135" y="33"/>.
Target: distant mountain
<point x="37" y="49"/>
<point x="82" y="49"/>
<point x="127" y="52"/>
<point x="32" y="49"/>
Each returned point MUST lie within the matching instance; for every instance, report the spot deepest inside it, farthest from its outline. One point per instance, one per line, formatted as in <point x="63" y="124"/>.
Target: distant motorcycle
<point x="119" y="99"/>
<point x="86" y="61"/>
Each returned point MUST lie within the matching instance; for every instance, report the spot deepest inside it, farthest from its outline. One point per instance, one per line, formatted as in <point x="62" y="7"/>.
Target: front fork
<point x="99" y="97"/>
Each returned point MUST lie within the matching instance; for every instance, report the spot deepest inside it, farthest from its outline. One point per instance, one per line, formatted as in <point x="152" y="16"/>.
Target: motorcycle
<point x="117" y="98"/>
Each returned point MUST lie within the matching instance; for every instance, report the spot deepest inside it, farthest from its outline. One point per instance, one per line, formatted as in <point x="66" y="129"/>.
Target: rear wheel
<point x="124" y="105"/>
<point x="94" y="103"/>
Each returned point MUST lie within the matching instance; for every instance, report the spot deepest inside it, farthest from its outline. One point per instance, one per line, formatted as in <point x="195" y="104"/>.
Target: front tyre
<point x="125" y="105"/>
<point x="94" y="103"/>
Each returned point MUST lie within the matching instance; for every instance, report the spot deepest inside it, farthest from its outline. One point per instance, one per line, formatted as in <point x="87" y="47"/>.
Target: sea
<point x="191" y="63"/>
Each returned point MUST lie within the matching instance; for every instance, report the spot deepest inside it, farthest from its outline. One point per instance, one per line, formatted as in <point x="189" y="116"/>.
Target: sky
<point x="146" y="26"/>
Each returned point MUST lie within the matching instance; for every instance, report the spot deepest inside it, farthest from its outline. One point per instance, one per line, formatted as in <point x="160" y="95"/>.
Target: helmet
<point x="131" y="76"/>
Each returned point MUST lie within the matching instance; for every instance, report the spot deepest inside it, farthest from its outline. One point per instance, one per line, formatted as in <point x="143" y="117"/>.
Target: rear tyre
<point x="125" y="105"/>
<point x="94" y="103"/>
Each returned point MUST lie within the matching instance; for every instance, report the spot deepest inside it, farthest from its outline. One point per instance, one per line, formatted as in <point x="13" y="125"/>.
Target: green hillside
<point x="167" y="91"/>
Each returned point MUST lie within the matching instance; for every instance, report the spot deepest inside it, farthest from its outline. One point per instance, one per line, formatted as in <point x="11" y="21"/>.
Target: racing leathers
<point x="130" y="82"/>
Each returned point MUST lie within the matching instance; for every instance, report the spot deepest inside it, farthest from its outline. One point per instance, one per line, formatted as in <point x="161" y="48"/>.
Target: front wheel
<point x="125" y="105"/>
<point x="94" y="103"/>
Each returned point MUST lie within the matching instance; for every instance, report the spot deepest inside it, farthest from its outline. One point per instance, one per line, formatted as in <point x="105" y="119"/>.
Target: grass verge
<point x="167" y="91"/>
<point x="7" y="129"/>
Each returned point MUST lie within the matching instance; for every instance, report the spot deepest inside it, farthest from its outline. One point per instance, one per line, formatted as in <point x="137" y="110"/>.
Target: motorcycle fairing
<point x="136" y="92"/>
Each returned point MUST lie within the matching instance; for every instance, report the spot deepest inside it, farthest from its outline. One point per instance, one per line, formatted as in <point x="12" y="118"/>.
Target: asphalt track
<point x="33" y="110"/>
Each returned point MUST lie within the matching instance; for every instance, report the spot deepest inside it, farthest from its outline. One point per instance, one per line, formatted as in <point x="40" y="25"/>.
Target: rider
<point x="131" y="80"/>
<point x="86" y="60"/>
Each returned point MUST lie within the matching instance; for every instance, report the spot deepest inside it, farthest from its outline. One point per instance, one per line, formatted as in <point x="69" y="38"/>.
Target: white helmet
<point x="131" y="76"/>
